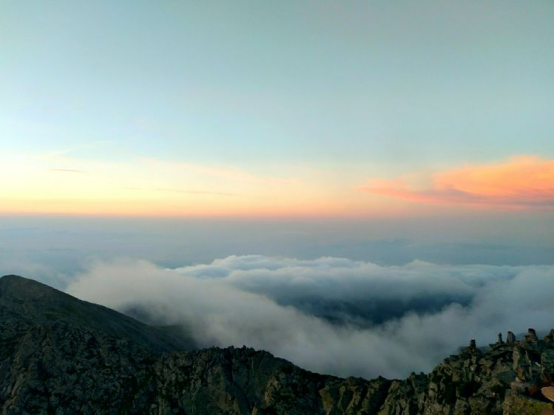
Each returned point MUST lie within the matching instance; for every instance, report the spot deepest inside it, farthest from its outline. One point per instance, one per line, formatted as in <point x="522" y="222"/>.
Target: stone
<point x="547" y="366"/>
<point x="517" y="404"/>
<point x="511" y="338"/>
<point x="548" y="392"/>
<point x="531" y="335"/>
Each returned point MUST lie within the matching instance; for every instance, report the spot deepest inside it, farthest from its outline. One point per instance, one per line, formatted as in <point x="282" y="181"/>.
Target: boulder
<point x="548" y="392"/>
<point x="511" y="338"/>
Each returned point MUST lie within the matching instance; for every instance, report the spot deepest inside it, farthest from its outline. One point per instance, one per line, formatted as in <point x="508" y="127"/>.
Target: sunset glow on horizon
<point x="219" y="112"/>
<point x="149" y="187"/>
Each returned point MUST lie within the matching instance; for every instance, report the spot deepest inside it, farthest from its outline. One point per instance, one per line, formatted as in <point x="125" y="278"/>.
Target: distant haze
<point x="52" y="249"/>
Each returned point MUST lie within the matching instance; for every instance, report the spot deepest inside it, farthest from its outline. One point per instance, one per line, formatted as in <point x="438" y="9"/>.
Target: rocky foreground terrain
<point x="62" y="355"/>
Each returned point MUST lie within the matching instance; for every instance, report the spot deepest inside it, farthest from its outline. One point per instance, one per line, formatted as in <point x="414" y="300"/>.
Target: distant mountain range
<point x="61" y="355"/>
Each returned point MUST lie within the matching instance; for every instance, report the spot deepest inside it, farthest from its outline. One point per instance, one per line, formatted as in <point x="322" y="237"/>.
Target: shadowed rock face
<point x="61" y="355"/>
<point x="41" y="304"/>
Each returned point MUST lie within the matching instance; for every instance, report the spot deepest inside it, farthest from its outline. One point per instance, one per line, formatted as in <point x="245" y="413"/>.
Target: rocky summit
<point x="60" y="355"/>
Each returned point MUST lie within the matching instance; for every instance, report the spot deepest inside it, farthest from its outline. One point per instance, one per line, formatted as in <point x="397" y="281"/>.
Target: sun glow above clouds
<point x="59" y="184"/>
<point x="523" y="182"/>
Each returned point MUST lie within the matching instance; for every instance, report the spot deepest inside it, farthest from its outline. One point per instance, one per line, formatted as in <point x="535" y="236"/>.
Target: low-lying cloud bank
<point x="332" y="315"/>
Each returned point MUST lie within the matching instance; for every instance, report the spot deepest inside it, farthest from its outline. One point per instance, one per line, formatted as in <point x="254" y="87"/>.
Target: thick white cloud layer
<point x="332" y="315"/>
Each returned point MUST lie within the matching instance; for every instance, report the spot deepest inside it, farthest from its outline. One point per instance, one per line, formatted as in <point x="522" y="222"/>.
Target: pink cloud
<point x="521" y="182"/>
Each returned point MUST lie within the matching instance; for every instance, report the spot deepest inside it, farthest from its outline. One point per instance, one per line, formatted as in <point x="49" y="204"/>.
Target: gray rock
<point x="531" y="335"/>
<point x="511" y="338"/>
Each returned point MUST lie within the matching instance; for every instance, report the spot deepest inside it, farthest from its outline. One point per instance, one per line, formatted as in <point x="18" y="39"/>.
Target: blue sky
<point x="399" y="85"/>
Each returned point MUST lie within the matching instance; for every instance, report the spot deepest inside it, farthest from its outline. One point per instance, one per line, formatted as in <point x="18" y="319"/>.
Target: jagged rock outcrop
<point x="511" y="337"/>
<point x="61" y="355"/>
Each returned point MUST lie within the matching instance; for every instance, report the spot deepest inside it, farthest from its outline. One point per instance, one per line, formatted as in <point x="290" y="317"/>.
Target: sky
<point x="318" y="109"/>
<point x="304" y="177"/>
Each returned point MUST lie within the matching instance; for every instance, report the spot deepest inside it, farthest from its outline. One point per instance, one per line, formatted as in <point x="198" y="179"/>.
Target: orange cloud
<point x="521" y="182"/>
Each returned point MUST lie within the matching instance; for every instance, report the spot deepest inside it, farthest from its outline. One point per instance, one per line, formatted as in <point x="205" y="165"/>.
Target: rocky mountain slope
<point x="62" y="355"/>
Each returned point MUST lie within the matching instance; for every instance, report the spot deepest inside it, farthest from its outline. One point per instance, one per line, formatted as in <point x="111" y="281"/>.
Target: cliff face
<point x="61" y="355"/>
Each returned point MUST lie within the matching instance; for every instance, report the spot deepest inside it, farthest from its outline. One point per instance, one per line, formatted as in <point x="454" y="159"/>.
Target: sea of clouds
<point x="331" y="315"/>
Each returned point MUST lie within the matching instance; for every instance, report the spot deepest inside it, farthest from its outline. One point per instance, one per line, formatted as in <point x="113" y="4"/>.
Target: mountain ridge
<point x="59" y="355"/>
<point x="18" y="292"/>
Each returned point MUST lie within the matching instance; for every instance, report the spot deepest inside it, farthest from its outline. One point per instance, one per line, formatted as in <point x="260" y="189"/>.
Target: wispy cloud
<point x="181" y="191"/>
<point x="67" y="170"/>
<point x="62" y="153"/>
<point x="521" y="182"/>
<point x="64" y="184"/>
